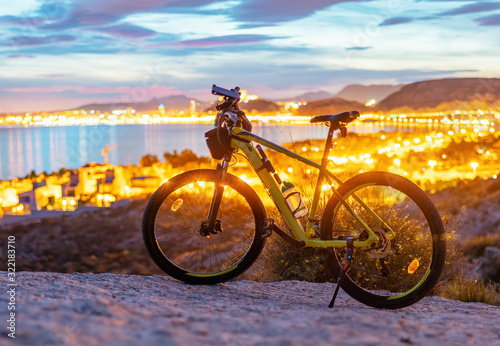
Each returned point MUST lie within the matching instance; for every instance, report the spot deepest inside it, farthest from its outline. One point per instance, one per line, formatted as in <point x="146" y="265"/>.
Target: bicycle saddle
<point x="336" y="120"/>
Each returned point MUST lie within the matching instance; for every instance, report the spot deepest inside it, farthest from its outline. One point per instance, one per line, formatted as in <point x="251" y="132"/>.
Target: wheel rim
<point x="402" y="260"/>
<point x="178" y="223"/>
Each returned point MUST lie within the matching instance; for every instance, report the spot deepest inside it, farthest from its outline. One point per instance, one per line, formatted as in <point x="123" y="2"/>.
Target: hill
<point x="311" y="96"/>
<point x="260" y="105"/>
<point x="172" y="102"/>
<point x="445" y="93"/>
<point x="362" y="93"/>
<point x="331" y="106"/>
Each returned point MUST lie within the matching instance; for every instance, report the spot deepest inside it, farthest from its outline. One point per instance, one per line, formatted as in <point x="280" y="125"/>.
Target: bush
<point x="148" y="160"/>
<point x="457" y="265"/>
<point x="185" y="157"/>
<point x="284" y="261"/>
<point x="472" y="290"/>
<point x="475" y="247"/>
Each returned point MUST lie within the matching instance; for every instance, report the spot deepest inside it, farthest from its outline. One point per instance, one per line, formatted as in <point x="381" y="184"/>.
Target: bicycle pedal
<point x="266" y="227"/>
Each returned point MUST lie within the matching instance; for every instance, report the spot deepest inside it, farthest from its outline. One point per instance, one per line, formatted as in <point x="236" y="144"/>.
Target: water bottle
<point x="292" y="198"/>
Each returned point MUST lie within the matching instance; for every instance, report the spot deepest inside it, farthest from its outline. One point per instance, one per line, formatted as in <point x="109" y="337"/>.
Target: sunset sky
<point x="64" y="53"/>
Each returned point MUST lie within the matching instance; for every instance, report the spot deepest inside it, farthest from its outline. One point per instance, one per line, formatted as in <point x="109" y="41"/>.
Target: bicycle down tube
<point x="241" y="140"/>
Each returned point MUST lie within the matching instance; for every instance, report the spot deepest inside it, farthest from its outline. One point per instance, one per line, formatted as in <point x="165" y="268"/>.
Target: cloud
<point x="473" y="8"/>
<point x="265" y="12"/>
<point x="396" y="20"/>
<point x="492" y="20"/>
<point x="254" y="25"/>
<point x="105" y="12"/>
<point x="20" y="56"/>
<point x="48" y="12"/>
<point x="224" y="40"/>
<point x="253" y="13"/>
<point x="56" y="75"/>
<point x="91" y="90"/>
<point x="39" y="40"/>
<point x="275" y="76"/>
<point x="358" y="48"/>
<point x="127" y="31"/>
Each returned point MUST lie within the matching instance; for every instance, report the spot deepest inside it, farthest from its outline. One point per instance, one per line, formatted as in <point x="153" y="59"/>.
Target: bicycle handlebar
<point x="233" y="93"/>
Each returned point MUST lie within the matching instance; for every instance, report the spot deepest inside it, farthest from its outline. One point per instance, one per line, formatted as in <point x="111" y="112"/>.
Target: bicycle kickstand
<point x="346" y="263"/>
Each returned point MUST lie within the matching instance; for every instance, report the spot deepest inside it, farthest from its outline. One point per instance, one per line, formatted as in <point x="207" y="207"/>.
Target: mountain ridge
<point x="362" y="93"/>
<point x="439" y="92"/>
<point x="443" y="94"/>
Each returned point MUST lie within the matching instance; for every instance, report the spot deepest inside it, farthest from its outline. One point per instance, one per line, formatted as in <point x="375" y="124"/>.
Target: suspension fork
<point x="220" y="180"/>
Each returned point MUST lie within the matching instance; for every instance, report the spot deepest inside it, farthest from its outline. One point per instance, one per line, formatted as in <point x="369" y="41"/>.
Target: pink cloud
<point x="158" y="90"/>
<point x="127" y="31"/>
<point x="224" y="40"/>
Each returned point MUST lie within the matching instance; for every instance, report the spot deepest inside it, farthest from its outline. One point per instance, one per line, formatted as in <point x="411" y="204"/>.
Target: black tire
<point x="408" y="262"/>
<point x="171" y="228"/>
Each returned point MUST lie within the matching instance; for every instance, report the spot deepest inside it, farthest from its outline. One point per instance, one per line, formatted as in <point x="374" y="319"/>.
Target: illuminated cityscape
<point x="422" y="156"/>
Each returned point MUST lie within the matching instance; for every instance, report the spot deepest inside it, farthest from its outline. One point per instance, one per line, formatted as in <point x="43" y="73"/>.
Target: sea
<point x="48" y="149"/>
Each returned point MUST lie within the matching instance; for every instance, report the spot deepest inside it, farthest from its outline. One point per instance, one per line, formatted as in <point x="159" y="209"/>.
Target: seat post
<point x="328" y="146"/>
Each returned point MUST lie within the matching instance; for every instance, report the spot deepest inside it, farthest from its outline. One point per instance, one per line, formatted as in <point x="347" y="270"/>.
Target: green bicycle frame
<point x="242" y="139"/>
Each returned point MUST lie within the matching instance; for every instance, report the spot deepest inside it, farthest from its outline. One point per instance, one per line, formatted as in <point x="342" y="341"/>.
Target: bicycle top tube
<point x="245" y="136"/>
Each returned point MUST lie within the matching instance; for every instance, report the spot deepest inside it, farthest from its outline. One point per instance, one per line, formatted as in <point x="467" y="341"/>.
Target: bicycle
<point x="383" y="238"/>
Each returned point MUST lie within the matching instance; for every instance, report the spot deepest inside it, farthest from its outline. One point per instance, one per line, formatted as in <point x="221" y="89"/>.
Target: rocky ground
<point x="112" y="309"/>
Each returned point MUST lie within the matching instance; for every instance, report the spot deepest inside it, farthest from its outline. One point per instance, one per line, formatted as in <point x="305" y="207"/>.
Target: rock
<point x="491" y="252"/>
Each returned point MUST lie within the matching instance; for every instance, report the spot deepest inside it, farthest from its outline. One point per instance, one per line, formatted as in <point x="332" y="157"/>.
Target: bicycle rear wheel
<point x="176" y="241"/>
<point x="407" y="262"/>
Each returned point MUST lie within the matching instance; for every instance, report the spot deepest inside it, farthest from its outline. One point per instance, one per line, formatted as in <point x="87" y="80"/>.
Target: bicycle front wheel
<point x="407" y="262"/>
<point x="178" y="243"/>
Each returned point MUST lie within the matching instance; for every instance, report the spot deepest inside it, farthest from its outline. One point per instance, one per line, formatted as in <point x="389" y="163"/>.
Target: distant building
<point x="88" y="177"/>
<point x="48" y="193"/>
<point x="161" y="108"/>
<point x="145" y="184"/>
<point x="69" y="189"/>
<point x="105" y="185"/>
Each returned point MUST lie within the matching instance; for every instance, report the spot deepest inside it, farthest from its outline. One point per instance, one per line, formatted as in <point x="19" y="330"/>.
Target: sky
<point x="60" y="54"/>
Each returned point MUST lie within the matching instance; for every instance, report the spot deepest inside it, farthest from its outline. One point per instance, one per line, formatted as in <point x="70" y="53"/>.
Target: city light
<point x="474" y="166"/>
<point x="419" y="158"/>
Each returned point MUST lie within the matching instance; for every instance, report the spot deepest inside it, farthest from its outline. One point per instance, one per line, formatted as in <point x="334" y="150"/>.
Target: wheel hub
<point x="201" y="227"/>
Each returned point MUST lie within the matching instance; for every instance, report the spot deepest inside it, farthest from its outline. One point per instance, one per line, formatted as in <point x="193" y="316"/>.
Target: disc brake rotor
<point x="384" y="245"/>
